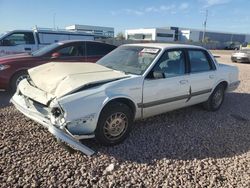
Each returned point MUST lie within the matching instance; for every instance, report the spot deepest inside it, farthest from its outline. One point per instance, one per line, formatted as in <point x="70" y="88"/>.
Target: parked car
<point x="241" y="56"/>
<point x="14" y="68"/>
<point x="21" y="41"/>
<point x="232" y="46"/>
<point x="136" y="81"/>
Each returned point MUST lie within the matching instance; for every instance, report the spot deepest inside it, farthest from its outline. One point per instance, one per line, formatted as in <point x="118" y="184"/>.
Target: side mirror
<point x="55" y="55"/>
<point x="158" y="75"/>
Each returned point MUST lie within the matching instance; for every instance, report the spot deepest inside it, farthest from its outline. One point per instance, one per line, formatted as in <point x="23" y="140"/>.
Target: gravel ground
<point x="185" y="148"/>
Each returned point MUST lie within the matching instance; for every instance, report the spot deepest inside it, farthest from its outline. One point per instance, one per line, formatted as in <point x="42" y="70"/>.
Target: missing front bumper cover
<point x="60" y="134"/>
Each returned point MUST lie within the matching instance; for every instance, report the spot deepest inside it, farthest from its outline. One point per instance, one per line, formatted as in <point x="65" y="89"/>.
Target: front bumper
<point x="240" y="59"/>
<point x="40" y="115"/>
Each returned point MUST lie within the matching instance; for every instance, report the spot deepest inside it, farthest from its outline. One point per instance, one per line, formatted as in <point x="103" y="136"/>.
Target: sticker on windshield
<point x="150" y="50"/>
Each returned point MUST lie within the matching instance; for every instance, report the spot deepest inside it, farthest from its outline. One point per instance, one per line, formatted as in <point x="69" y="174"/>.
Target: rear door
<point x="96" y="50"/>
<point x="171" y="92"/>
<point x="202" y="75"/>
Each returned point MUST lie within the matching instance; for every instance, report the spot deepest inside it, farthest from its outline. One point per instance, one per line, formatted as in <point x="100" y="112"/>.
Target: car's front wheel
<point x="114" y="124"/>
<point x="216" y="99"/>
<point x="16" y="79"/>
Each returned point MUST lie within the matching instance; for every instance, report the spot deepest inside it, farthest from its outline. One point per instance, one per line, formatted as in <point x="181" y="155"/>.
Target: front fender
<point x="138" y="113"/>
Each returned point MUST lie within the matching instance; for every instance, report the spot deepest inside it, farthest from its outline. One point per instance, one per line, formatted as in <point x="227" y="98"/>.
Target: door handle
<point x="182" y="82"/>
<point x="211" y="76"/>
<point x="27" y="49"/>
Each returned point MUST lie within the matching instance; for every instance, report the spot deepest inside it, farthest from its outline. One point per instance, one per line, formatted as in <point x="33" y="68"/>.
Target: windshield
<point x="44" y="50"/>
<point x="2" y="34"/>
<point x="130" y="59"/>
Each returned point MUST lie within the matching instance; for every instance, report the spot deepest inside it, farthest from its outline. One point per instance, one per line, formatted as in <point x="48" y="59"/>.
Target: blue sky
<point x="224" y="15"/>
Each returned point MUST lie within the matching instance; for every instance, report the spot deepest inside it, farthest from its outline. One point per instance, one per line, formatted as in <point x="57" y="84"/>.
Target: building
<point x="185" y="35"/>
<point x="97" y="31"/>
<point x="154" y="34"/>
<point x="213" y="36"/>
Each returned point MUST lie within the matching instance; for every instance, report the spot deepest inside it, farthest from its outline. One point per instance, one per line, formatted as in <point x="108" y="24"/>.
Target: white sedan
<point x="84" y="100"/>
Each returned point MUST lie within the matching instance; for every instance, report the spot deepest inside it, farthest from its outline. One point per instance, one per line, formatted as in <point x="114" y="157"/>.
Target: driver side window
<point x="171" y="63"/>
<point x="19" y="38"/>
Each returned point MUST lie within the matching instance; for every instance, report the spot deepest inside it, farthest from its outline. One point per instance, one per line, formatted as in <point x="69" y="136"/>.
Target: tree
<point x="120" y="36"/>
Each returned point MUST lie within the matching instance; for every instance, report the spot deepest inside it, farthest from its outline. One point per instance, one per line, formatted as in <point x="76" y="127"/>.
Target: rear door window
<point x="98" y="49"/>
<point x="199" y="61"/>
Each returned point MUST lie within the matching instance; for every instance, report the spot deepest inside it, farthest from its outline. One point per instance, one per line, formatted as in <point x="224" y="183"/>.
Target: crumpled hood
<point x="59" y="79"/>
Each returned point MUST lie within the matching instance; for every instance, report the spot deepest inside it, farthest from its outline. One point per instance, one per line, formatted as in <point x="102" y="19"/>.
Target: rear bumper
<point x="36" y="114"/>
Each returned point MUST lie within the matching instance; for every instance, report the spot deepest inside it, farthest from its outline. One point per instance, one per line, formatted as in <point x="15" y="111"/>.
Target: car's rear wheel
<point x="114" y="124"/>
<point x="216" y="99"/>
<point x="16" y="79"/>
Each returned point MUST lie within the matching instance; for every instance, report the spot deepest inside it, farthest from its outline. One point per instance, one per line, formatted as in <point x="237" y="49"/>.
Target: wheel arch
<point x="121" y="99"/>
<point x="221" y="82"/>
<point x="14" y="74"/>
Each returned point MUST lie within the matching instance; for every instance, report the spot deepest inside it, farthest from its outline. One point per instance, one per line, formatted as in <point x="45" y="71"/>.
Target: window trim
<point x="21" y="32"/>
<point x="210" y="61"/>
<point x="166" y="51"/>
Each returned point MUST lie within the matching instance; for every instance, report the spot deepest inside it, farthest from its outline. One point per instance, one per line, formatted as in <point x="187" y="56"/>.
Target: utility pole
<point x="54" y="21"/>
<point x="205" y="27"/>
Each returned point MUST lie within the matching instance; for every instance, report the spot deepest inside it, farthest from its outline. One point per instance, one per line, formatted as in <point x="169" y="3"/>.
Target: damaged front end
<point x="44" y="109"/>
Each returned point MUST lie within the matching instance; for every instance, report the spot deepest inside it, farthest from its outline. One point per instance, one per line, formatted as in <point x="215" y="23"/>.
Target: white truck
<point x="21" y="41"/>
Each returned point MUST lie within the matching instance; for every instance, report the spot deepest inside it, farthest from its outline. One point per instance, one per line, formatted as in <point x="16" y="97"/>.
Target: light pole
<point x="205" y="27"/>
<point x="54" y="21"/>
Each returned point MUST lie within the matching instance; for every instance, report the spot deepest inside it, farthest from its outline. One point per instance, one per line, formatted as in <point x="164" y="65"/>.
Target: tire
<point x="216" y="99"/>
<point x="16" y="79"/>
<point x="114" y="124"/>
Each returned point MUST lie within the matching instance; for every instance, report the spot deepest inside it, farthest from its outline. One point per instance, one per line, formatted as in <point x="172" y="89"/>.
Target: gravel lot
<point x="185" y="148"/>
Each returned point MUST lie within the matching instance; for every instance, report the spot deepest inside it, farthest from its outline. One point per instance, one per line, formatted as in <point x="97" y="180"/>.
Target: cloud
<point x="184" y="6"/>
<point x="210" y="3"/>
<point x="136" y="12"/>
<point x="172" y="9"/>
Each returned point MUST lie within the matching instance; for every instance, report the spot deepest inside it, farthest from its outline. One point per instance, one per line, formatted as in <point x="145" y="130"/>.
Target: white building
<point x="169" y="34"/>
<point x="154" y="34"/>
<point x="196" y="35"/>
<point x="189" y="35"/>
<point x="98" y="31"/>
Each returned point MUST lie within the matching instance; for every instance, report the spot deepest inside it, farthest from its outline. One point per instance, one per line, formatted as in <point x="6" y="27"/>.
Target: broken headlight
<point x="56" y="112"/>
<point x="57" y="116"/>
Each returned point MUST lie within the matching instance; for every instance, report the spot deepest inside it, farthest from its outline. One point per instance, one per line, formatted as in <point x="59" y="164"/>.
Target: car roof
<point x="164" y="45"/>
<point x="73" y="41"/>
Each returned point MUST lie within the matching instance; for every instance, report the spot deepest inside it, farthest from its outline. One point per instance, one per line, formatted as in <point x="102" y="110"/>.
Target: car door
<point x="202" y="75"/>
<point x="70" y="53"/>
<point x="169" y="91"/>
<point x="96" y="50"/>
<point x="18" y="42"/>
